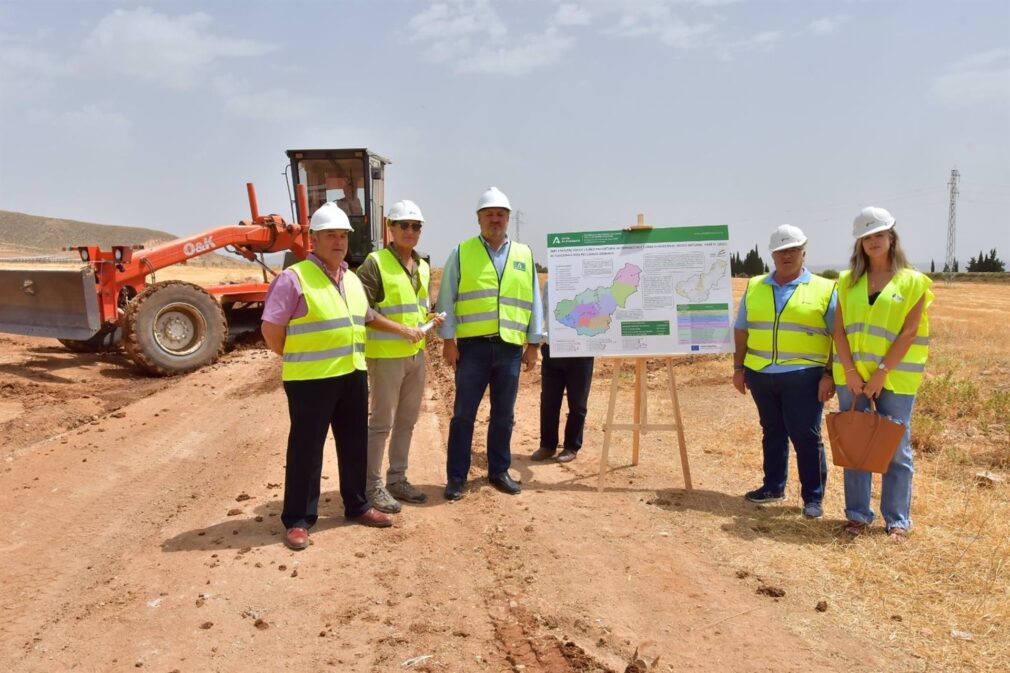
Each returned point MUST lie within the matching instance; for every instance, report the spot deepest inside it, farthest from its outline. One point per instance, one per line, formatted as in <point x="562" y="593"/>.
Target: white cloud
<point x="455" y="18"/>
<point x="827" y="24"/>
<point x="760" y="42"/>
<point x="177" y="51"/>
<point x="244" y="100"/>
<point x="656" y="19"/>
<point x="526" y="55"/>
<point x="27" y="70"/>
<point x="476" y="40"/>
<point x="983" y="77"/>
<point x="474" y="37"/>
<point x="570" y="14"/>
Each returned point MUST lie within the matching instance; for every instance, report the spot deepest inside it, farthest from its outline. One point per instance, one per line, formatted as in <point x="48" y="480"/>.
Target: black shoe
<point x="454" y="489"/>
<point x="764" y="495"/>
<point x="506" y="484"/>
<point x="567" y="456"/>
<point x="543" y="453"/>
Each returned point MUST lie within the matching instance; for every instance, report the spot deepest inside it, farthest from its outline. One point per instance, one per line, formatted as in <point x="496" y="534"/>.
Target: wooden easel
<point x="641" y="423"/>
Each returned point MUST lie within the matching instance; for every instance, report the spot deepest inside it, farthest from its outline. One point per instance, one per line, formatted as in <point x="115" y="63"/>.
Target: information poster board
<point x="640" y="292"/>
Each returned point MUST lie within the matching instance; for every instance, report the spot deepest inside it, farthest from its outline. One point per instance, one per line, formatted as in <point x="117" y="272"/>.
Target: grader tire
<point x="105" y="341"/>
<point x="174" y="327"/>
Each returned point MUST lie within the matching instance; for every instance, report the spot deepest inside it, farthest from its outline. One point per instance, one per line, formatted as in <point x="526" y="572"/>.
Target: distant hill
<point x="37" y="235"/>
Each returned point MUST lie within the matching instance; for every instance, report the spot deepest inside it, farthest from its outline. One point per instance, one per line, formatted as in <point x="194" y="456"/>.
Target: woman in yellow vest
<point x="783" y="344"/>
<point x="882" y="341"/>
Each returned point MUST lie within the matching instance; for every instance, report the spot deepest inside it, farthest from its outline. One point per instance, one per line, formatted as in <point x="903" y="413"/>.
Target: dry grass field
<point x="952" y="578"/>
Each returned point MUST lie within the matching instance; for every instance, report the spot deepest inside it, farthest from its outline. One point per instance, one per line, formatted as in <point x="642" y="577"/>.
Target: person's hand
<point x="854" y="382"/>
<point x="875" y="384"/>
<point x="436" y="318"/>
<point x="530" y="356"/>
<point x="826" y="388"/>
<point x="411" y="334"/>
<point x="450" y="352"/>
<point x="739" y="382"/>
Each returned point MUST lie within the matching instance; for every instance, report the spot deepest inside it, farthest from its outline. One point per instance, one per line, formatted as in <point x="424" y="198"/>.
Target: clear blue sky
<point x="749" y="113"/>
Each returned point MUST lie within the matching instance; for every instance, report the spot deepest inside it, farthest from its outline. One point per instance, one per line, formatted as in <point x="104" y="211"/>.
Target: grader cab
<point x="355" y="180"/>
<point x="170" y="327"/>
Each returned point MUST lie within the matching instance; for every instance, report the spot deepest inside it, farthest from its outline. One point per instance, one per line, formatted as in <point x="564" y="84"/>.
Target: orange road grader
<point x="171" y="327"/>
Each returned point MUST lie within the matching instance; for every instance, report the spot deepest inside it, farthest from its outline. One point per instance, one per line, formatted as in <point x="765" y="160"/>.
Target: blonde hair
<point x="860" y="262"/>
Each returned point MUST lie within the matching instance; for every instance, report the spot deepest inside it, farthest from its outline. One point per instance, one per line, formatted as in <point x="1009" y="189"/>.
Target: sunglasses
<point x="416" y="226"/>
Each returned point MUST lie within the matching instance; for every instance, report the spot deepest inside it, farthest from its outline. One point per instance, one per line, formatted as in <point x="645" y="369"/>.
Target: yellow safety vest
<point x="485" y="305"/>
<point x="329" y="340"/>
<point x="870" y="330"/>
<point x="798" y="335"/>
<point x="400" y="304"/>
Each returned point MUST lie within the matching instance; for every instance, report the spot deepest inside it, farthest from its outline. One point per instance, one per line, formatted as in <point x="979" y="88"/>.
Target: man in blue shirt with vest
<point x="783" y="357"/>
<point x="491" y="297"/>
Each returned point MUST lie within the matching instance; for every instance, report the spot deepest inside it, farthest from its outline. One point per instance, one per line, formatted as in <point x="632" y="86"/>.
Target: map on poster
<point x="621" y="293"/>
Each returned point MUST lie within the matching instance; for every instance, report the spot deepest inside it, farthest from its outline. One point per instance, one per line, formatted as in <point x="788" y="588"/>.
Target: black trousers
<point x="571" y="376"/>
<point x="315" y="406"/>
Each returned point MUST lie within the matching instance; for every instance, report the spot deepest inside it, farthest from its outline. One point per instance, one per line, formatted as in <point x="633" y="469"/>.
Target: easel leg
<point x="680" y="426"/>
<point x="608" y="428"/>
<point x="641" y="402"/>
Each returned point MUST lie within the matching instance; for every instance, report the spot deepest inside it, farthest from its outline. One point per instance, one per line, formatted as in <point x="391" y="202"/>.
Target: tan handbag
<point x="863" y="440"/>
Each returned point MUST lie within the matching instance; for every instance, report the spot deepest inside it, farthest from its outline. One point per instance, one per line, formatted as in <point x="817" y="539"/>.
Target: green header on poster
<point x="645" y="328"/>
<point x="572" y="239"/>
<point x="702" y="307"/>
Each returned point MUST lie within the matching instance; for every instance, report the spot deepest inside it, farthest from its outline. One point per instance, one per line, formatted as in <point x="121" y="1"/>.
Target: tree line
<point x="981" y="264"/>
<point x="752" y="265"/>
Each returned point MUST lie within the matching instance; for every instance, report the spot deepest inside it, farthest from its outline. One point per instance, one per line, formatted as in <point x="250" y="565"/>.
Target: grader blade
<point x="61" y="304"/>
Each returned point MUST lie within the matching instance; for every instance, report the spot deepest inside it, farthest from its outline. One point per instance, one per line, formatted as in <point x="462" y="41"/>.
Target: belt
<point x="484" y="337"/>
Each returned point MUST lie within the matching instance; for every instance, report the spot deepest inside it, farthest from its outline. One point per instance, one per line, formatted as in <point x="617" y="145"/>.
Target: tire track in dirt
<point x="96" y="511"/>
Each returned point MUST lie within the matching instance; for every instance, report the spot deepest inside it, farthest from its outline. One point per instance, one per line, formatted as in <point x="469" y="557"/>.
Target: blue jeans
<point x="483" y="362"/>
<point x="896" y="484"/>
<point x="788" y="407"/>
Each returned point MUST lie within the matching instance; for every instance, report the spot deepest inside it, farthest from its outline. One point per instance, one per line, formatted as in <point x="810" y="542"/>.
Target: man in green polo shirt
<point x="396" y="281"/>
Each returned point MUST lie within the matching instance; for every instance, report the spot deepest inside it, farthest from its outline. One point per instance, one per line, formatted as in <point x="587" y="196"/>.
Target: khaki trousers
<point x="396" y="385"/>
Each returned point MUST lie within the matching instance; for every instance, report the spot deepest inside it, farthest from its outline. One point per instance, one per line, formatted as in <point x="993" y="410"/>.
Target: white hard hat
<point x="493" y="198"/>
<point x="405" y="210"/>
<point x="329" y="216"/>
<point x="787" y="236"/>
<point x="870" y="220"/>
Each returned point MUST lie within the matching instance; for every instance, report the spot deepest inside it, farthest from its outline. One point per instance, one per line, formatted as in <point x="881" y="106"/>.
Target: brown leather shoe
<point x="373" y="518"/>
<point x="296" y="538"/>
<point x="543" y="453"/>
<point x="567" y="456"/>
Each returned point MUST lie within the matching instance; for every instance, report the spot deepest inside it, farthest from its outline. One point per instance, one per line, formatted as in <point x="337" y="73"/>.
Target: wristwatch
<point x="882" y="367"/>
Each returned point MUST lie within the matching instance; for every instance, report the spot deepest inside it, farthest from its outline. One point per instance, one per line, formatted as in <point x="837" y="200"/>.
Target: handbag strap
<point x="873" y="403"/>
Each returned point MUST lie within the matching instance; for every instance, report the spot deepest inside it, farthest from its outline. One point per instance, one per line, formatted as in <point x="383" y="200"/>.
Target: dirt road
<point x="141" y="531"/>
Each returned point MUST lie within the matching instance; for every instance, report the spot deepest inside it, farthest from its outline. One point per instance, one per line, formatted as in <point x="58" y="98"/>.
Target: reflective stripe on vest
<point x="871" y="330"/>
<point x="485" y="306"/>
<point x="329" y="340"/>
<point x="798" y="335"/>
<point x="400" y="304"/>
